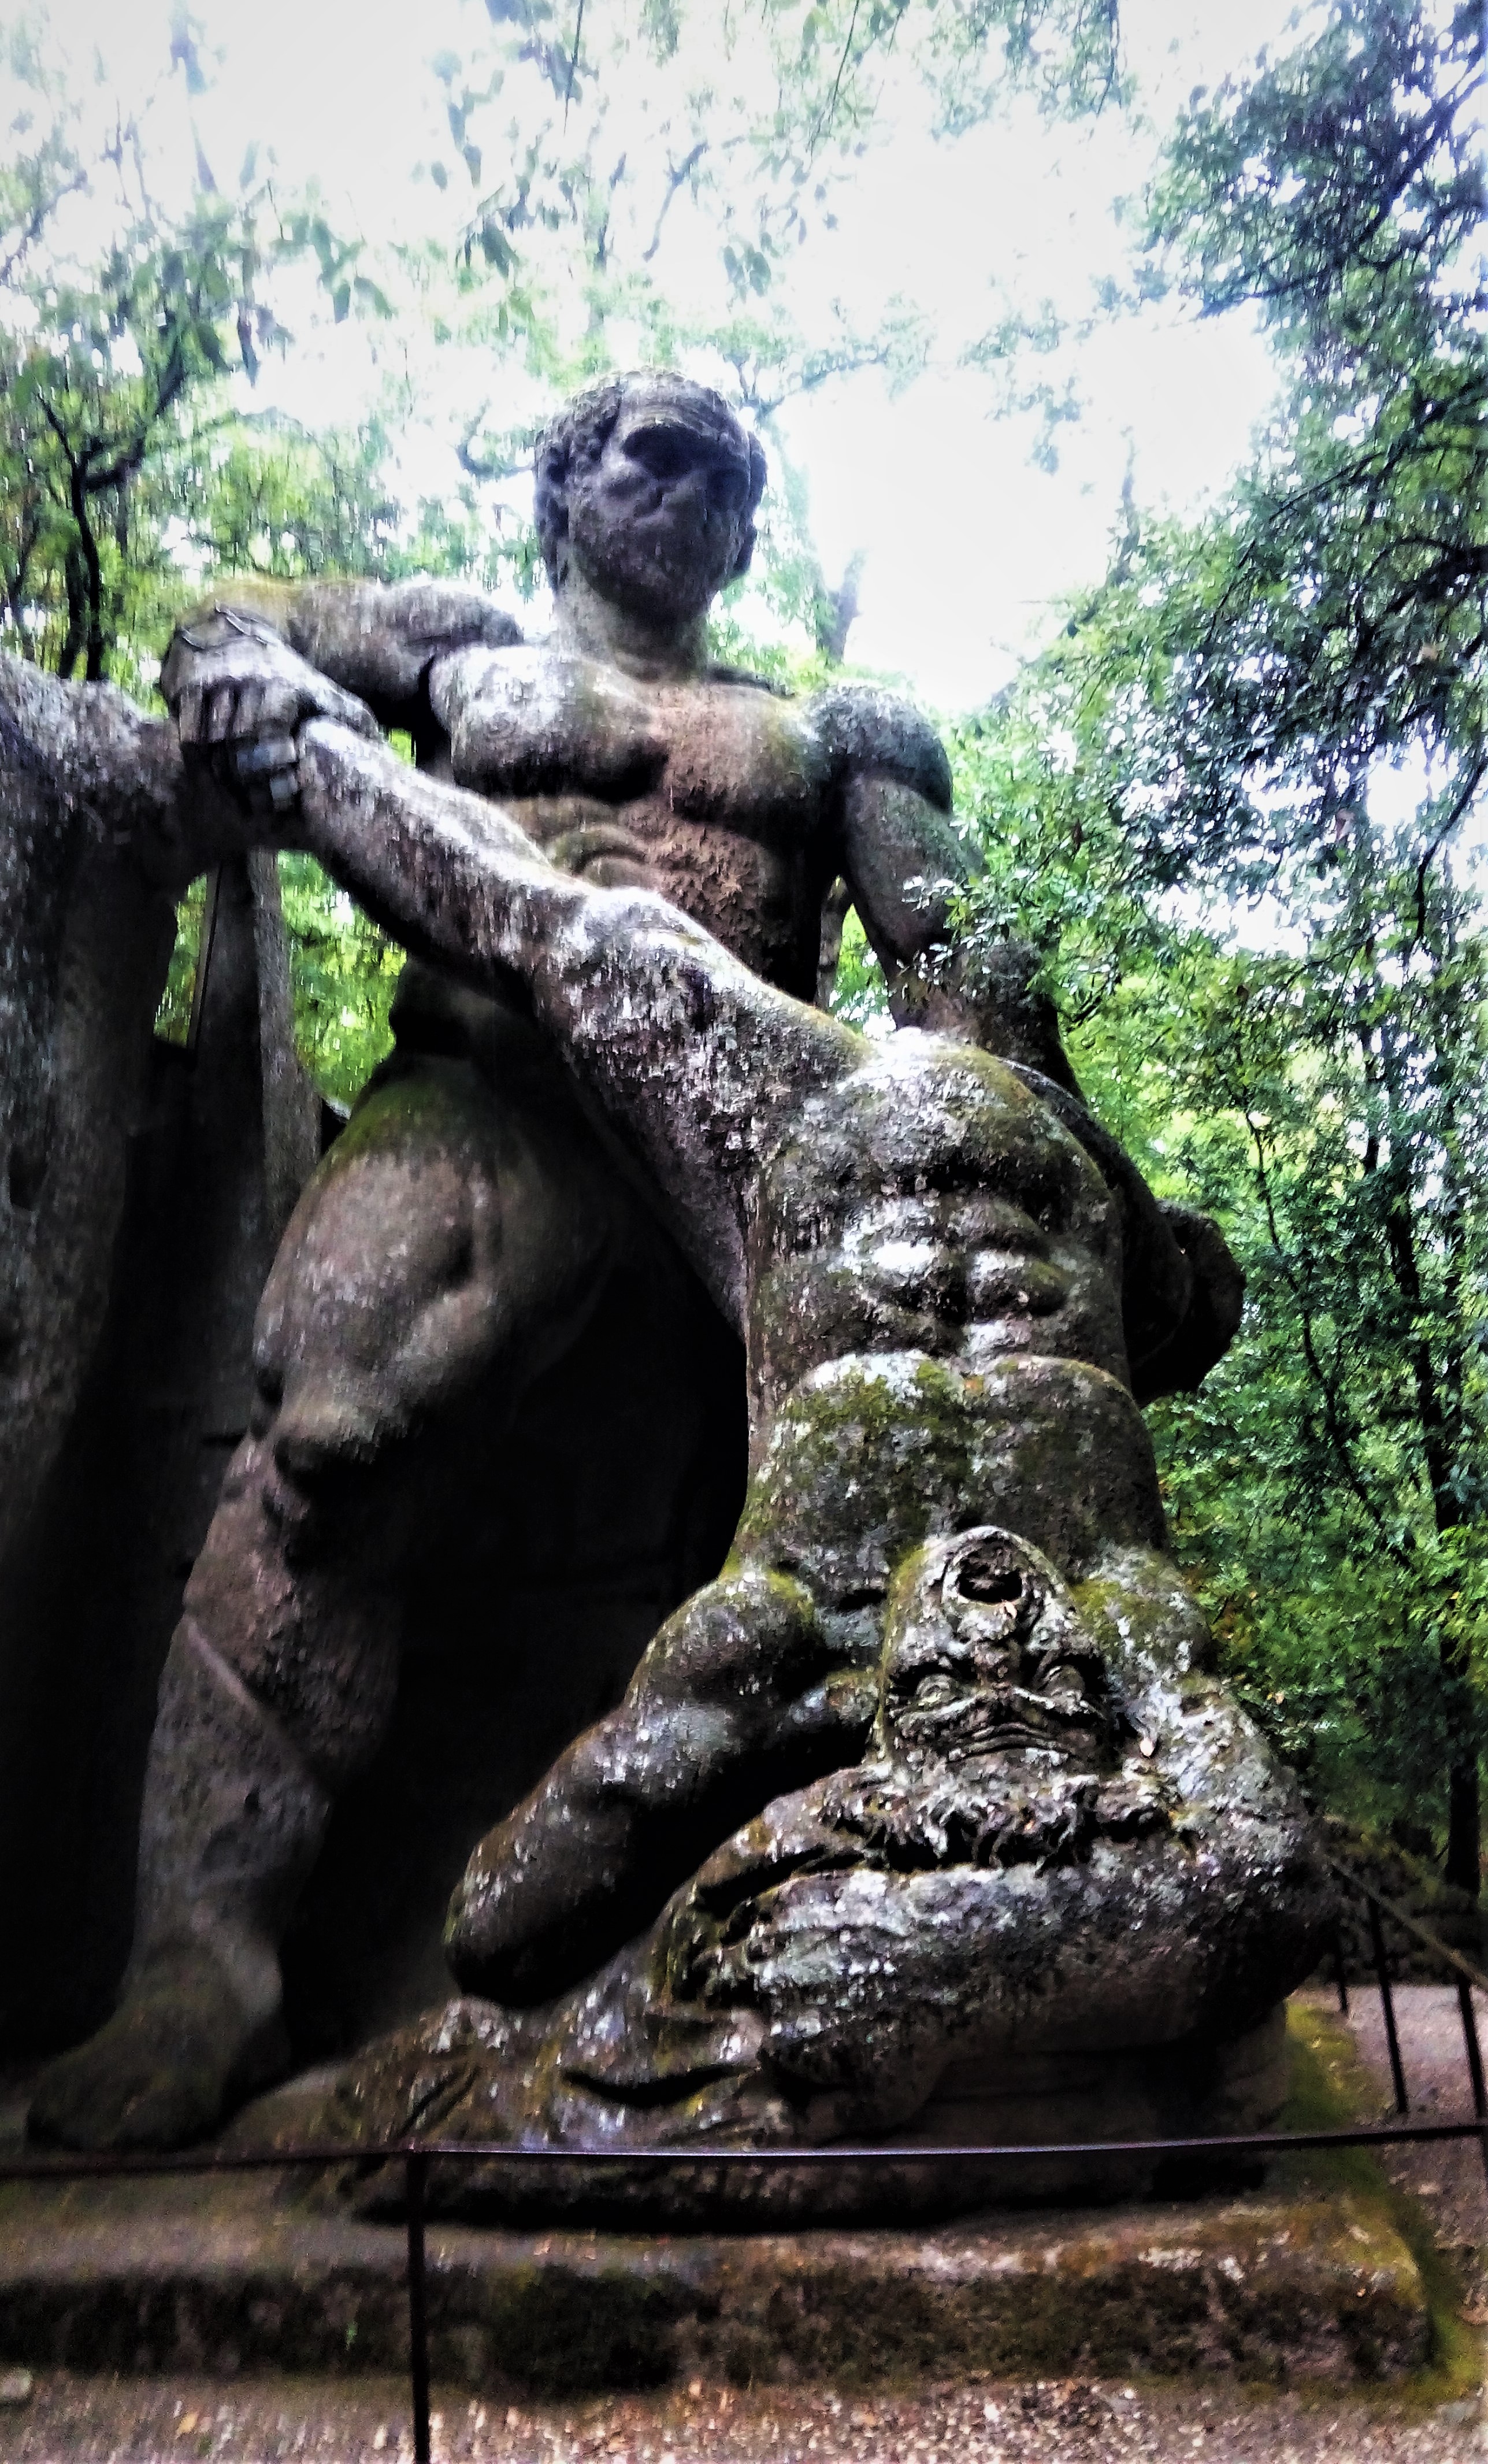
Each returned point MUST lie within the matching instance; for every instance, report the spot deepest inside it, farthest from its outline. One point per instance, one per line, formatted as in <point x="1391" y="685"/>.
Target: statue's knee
<point x="320" y="1434"/>
<point x="753" y="1638"/>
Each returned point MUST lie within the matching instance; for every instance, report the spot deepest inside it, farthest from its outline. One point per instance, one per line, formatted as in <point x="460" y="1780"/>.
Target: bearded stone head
<point x="986" y="1657"/>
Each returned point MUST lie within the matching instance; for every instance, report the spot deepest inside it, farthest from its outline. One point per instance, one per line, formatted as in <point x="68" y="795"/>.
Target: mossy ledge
<point x="1295" y="2288"/>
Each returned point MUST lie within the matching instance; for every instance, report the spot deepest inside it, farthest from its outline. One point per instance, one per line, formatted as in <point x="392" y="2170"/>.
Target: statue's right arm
<point x="377" y="640"/>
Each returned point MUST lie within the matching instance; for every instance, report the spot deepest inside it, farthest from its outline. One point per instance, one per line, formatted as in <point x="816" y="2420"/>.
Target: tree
<point x="1284" y="705"/>
<point x="118" y="334"/>
<point x="754" y="122"/>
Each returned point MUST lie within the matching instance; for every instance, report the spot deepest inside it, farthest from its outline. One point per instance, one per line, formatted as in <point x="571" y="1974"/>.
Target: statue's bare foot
<point x="177" y="2056"/>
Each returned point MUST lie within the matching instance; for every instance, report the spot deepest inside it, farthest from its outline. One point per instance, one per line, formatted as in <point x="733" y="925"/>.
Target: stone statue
<point x="1060" y="1834"/>
<point x="1063" y="1838"/>
<point x="947" y="1280"/>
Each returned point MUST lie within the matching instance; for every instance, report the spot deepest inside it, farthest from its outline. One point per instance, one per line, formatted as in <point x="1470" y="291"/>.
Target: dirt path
<point x="1449" y="2177"/>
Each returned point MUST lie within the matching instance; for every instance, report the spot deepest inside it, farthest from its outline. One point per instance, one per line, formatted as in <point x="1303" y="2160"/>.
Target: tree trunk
<point x="1440" y="1437"/>
<point x="1464" y="1827"/>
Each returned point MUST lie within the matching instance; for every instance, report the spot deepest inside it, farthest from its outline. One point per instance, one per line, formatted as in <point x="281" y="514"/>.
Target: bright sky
<point x="968" y="542"/>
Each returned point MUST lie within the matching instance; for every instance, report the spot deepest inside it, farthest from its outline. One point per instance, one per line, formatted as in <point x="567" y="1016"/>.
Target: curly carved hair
<point x="580" y="431"/>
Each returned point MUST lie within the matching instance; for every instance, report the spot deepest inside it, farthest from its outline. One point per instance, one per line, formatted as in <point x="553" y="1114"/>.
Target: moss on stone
<point x="557" y="2330"/>
<point x="1331" y="2089"/>
<point x="221" y="2274"/>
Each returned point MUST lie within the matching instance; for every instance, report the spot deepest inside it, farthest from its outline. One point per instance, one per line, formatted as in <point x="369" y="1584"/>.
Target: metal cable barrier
<point x="416" y="2156"/>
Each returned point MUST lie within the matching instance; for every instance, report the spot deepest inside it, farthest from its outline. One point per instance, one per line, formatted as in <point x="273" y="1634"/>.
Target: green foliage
<point x="1284" y="705"/>
<point x="260" y="496"/>
<point x="345" y="974"/>
<point x="173" y="1017"/>
<point x="789" y="95"/>
<point x="859" y="994"/>
<point x="122" y="328"/>
<point x="647" y="136"/>
<point x="1337" y="615"/>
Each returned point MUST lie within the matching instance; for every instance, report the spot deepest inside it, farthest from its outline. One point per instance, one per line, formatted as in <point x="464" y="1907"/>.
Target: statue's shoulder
<point x="449" y="615"/>
<point x="867" y="727"/>
<point x="376" y="638"/>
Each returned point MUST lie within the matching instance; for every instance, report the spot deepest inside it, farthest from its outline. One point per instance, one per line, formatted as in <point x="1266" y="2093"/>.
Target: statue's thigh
<point x="450" y="1247"/>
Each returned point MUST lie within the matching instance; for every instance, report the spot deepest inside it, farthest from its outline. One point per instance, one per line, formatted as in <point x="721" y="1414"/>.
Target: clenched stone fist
<point x="239" y="695"/>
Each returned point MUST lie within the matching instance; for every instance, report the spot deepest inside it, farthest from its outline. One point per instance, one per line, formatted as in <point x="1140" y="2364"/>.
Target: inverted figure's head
<point x="985" y="1657"/>
<point x="646" y="484"/>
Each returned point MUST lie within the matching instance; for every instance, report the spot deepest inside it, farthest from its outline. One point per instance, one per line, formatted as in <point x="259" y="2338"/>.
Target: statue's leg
<point x="236" y="1801"/>
<point x="434" y="1263"/>
<point x="737" y="1700"/>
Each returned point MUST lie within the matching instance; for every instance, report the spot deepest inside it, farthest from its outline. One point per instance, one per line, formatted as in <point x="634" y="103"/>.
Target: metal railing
<point x="1464" y="1975"/>
<point x="416" y="2156"/>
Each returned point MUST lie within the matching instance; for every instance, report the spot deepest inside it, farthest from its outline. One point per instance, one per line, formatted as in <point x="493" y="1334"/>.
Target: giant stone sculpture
<point x="993" y="1805"/>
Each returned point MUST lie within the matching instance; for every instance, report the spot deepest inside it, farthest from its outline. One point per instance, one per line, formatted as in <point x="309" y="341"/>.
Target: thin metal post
<point x="1340" y="1971"/>
<point x="1475" y="2061"/>
<point x="1382" y="1970"/>
<point x="1475" y="2058"/>
<point x="415" y="2175"/>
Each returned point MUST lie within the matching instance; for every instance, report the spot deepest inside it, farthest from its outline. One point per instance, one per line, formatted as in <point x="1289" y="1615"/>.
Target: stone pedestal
<point x="233" y="2274"/>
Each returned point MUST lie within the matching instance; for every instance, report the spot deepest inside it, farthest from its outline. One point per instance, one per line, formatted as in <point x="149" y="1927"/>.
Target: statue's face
<point x="987" y="1656"/>
<point x="660" y="519"/>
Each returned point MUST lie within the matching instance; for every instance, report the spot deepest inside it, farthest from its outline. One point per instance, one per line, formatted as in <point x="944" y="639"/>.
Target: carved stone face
<point x="985" y="1656"/>
<point x="660" y="518"/>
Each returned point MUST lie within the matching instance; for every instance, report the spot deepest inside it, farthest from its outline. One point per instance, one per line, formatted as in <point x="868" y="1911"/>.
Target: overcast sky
<point x="967" y="542"/>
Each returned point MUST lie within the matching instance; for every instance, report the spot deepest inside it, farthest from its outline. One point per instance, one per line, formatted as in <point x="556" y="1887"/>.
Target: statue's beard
<point x="1009" y="1807"/>
<point x="665" y="565"/>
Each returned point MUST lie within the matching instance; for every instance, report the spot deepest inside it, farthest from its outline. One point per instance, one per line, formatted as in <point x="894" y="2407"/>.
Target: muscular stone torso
<point x="717" y="792"/>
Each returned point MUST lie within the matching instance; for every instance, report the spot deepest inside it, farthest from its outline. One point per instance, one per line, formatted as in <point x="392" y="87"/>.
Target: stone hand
<point x="239" y="695"/>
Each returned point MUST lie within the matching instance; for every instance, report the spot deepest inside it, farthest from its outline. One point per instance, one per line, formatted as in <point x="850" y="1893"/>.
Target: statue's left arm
<point x="898" y="848"/>
<point x="906" y="865"/>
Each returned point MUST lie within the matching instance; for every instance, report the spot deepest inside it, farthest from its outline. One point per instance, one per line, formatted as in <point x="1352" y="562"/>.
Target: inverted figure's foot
<point x="177" y="2056"/>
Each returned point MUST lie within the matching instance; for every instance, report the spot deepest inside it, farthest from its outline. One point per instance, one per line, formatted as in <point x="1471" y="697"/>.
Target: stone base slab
<point x="235" y="2275"/>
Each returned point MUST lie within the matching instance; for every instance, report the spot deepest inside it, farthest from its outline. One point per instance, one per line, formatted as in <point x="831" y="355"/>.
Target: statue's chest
<point x="526" y="723"/>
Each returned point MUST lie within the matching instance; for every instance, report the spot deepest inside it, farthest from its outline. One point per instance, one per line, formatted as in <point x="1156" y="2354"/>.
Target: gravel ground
<point x="1075" y="2422"/>
<point x="1448" y="2177"/>
<point x="152" y="2421"/>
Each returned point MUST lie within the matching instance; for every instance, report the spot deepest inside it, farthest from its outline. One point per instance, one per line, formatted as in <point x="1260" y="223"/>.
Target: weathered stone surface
<point x="231" y="2275"/>
<point x="994" y="1893"/>
<point x="468" y="2077"/>
<point x="136" y="1229"/>
<point x="910" y="1229"/>
<point x="84" y="939"/>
